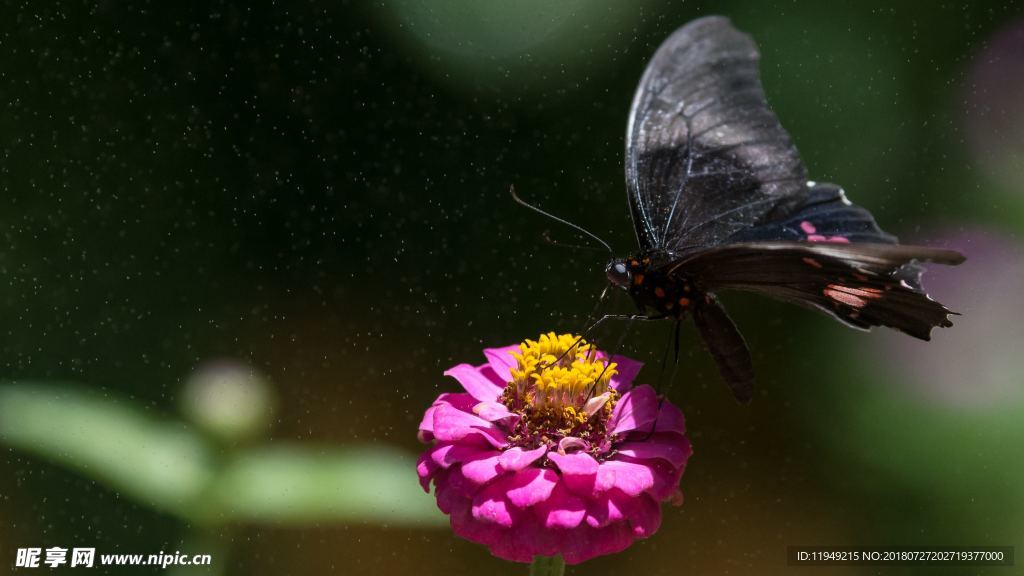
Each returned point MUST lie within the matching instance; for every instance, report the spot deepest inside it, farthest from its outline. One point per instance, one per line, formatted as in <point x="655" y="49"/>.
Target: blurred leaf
<point x="292" y="484"/>
<point x="154" y="461"/>
<point x="168" y="466"/>
<point x="514" y="46"/>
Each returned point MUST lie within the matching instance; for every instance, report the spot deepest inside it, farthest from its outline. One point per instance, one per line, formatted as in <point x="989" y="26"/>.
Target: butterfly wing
<point x="726" y="345"/>
<point x="863" y="285"/>
<point x="824" y="216"/>
<point x="705" y="155"/>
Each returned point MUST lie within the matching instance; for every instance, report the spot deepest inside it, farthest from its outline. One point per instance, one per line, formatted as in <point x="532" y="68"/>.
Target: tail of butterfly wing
<point x="726" y="345"/>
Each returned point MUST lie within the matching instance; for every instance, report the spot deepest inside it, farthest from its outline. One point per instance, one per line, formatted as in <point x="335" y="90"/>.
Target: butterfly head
<point x="619" y="273"/>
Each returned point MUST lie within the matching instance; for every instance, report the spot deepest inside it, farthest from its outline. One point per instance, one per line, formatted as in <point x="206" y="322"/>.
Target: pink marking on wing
<point x="851" y="295"/>
<point x="869" y="293"/>
<point x="808" y="228"/>
<point x="812" y="262"/>
<point x="834" y="293"/>
<point x="829" y="239"/>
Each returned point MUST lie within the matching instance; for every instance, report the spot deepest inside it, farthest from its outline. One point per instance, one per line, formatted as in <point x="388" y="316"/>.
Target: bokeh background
<point x="241" y="242"/>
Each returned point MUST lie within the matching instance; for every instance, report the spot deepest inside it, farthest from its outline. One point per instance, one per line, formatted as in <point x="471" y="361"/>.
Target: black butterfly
<point x="720" y="201"/>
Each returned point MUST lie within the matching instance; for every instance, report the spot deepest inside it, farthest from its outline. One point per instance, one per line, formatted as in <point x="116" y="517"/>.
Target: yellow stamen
<point x="560" y="371"/>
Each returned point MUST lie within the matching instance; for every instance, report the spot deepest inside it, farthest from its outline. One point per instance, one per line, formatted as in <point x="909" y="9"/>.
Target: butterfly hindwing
<point x="862" y="285"/>
<point x="726" y="345"/>
<point x="705" y="155"/>
<point x="825" y="216"/>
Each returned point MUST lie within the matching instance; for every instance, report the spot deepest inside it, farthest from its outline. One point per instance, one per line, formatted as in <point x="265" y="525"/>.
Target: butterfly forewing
<point x="705" y="155"/>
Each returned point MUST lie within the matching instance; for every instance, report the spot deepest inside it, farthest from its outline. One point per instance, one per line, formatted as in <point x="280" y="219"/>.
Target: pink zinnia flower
<point x="551" y="451"/>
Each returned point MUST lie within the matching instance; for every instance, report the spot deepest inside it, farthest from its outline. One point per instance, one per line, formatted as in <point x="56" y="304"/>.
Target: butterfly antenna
<point x="546" y="235"/>
<point x="521" y="202"/>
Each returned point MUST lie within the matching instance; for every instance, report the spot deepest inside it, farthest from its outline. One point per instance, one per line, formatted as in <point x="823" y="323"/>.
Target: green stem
<point x="547" y="566"/>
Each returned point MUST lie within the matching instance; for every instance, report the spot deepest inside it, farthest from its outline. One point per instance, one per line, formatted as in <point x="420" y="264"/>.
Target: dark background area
<point x="320" y="190"/>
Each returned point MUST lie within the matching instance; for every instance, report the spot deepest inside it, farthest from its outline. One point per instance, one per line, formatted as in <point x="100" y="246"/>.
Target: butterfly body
<point x="721" y="201"/>
<point x="655" y="291"/>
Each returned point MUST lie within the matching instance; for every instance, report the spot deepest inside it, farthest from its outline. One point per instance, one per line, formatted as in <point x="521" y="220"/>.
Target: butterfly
<point x="720" y="200"/>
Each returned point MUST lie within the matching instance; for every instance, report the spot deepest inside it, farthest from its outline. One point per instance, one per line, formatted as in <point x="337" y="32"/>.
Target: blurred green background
<point x="308" y="201"/>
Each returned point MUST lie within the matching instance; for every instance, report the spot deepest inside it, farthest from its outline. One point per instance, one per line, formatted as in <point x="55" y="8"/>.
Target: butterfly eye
<point x="617" y="273"/>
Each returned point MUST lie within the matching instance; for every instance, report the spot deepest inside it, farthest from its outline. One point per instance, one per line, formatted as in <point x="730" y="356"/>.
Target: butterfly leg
<point x="590" y="329"/>
<point x="613" y="352"/>
<point x="664" y="362"/>
<point x="597" y="306"/>
<point x="674" y="340"/>
<point x="675" y="363"/>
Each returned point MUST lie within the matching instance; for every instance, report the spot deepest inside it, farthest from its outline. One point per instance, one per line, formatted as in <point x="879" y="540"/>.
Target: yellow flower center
<point x="560" y="373"/>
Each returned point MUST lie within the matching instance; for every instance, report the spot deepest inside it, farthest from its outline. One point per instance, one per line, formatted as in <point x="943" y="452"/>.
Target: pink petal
<point x="458" y="400"/>
<point x="579" y="471"/>
<point x="478" y="385"/>
<point x="670" y="419"/>
<point x="466" y="526"/>
<point x="643" y="514"/>
<point x="500" y="502"/>
<point x="637" y="409"/>
<point x="425" y="469"/>
<point x="596" y="403"/>
<point x="603" y="511"/>
<point x="487" y="372"/>
<point x="530" y="486"/>
<point x="562" y="510"/>
<point x="515" y="459"/>
<point x="631" y="478"/>
<point x="496" y="412"/>
<point x="585" y="542"/>
<point x="491" y="506"/>
<point x="438" y="452"/>
<point x="666" y="476"/>
<point x="506" y="548"/>
<point x="426" y="427"/>
<point x="445" y="455"/>
<point x="450" y="493"/>
<point x="605" y="479"/>
<point x="529" y="538"/>
<point x="575" y="464"/>
<point x="452" y="425"/>
<point x="501" y="361"/>
<point x="573" y="444"/>
<point x="627" y="371"/>
<point x="482" y="468"/>
<point x="456" y="481"/>
<point x="667" y="446"/>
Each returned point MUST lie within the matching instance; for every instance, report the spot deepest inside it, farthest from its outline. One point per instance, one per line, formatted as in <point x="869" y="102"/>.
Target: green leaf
<point x="167" y="465"/>
<point x="292" y="484"/>
<point x="154" y="461"/>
